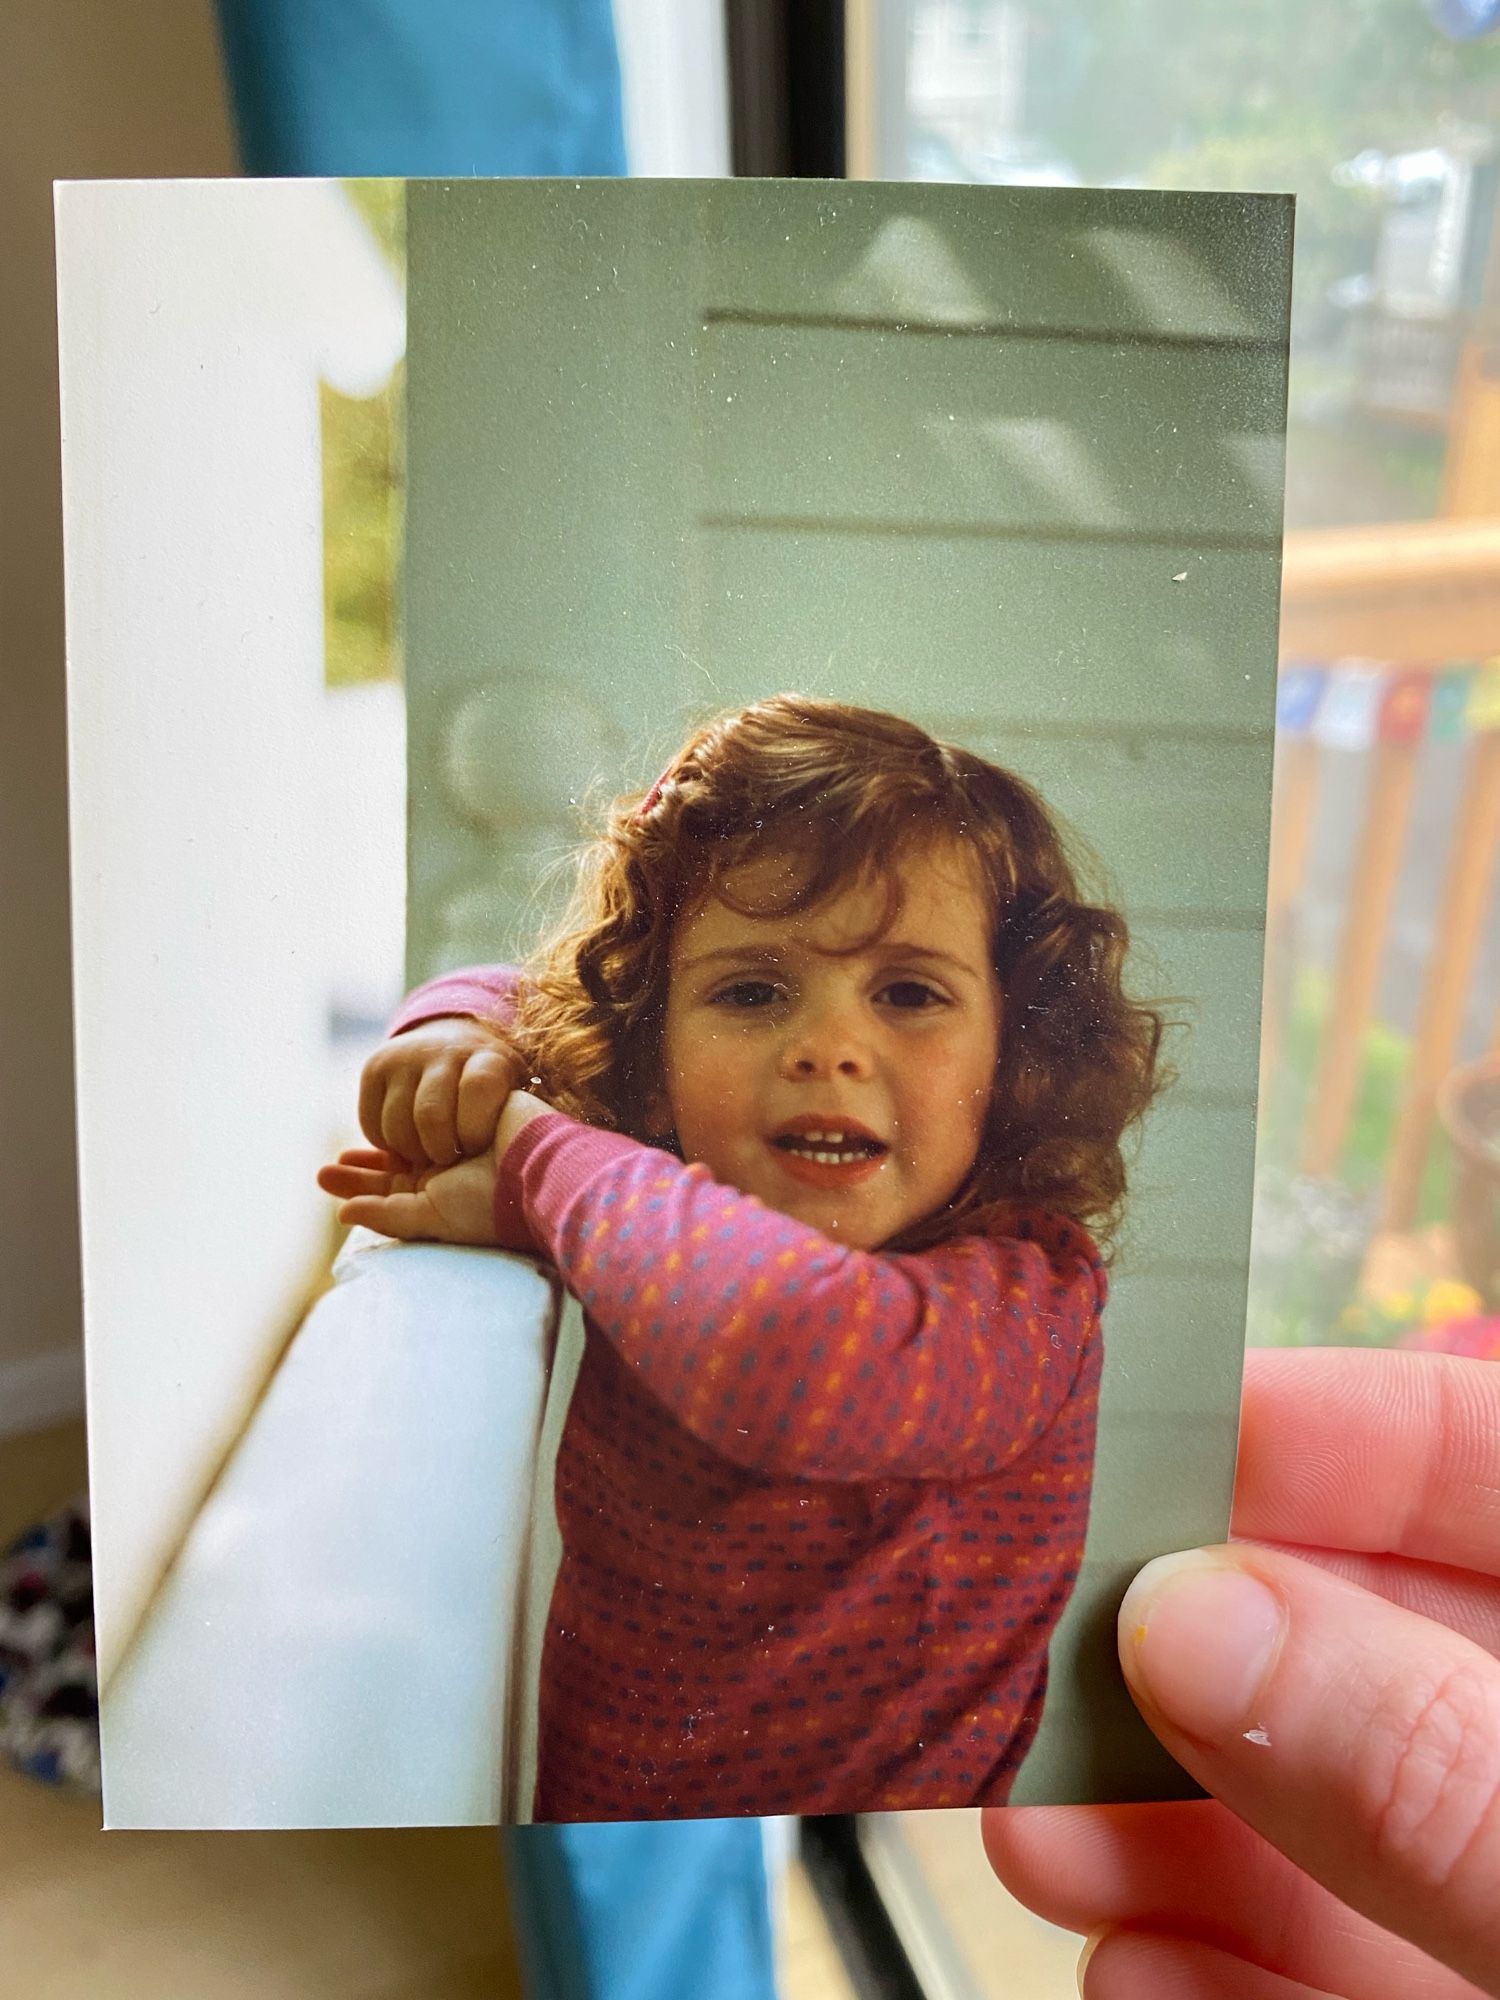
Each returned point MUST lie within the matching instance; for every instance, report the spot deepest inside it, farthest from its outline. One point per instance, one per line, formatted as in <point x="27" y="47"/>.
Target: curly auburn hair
<point x="847" y="792"/>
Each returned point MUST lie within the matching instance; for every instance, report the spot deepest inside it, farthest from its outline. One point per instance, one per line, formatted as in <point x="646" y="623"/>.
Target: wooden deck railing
<point x="1411" y="599"/>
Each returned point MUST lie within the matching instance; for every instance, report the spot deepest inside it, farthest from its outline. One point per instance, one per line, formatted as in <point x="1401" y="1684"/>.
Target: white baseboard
<point x="44" y="1389"/>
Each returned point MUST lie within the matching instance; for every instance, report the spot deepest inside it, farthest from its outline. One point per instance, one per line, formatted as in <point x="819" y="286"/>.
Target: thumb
<point x="1360" y="1739"/>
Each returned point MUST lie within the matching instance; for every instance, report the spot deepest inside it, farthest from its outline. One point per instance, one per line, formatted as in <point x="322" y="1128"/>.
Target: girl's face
<point x="841" y="1080"/>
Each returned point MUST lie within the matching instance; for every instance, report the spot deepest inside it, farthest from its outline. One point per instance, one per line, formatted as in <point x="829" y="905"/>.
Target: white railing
<point x="348" y="1635"/>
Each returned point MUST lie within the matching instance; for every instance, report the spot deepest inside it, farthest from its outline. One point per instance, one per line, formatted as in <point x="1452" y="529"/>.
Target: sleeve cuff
<point x="487" y="997"/>
<point x="549" y="1163"/>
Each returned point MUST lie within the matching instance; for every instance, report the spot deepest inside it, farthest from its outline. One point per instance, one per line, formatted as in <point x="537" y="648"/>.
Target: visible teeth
<point x="828" y="1156"/>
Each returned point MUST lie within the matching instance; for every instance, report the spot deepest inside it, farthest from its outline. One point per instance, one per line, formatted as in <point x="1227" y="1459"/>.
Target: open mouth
<point x="831" y="1146"/>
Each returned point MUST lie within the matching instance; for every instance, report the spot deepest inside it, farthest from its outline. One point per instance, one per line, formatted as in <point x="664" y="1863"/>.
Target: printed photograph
<point x="693" y="1295"/>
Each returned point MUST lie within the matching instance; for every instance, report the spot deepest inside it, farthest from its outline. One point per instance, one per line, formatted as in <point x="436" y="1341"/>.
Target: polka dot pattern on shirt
<point x="821" y="1508"/>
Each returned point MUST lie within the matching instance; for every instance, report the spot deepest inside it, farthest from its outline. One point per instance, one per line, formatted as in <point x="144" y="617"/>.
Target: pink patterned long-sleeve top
<point x="821" y="1508"/>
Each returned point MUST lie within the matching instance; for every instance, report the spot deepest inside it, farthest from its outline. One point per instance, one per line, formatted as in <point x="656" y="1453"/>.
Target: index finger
<point x="373" y="1079"/>
<point x="488" y="1078"/>
<point x="1379" y="1451"/>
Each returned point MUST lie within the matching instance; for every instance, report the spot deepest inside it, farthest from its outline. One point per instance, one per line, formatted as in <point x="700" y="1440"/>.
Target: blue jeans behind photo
<point x="679" y="1909"/>
<point x="675" y="1910"/>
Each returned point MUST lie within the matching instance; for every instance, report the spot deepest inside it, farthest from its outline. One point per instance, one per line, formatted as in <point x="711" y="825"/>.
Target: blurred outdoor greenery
<point x="1278" y="97"/>
<point x="364" y="490"/>
<point x="1270" y="97"/>
<point x="1172" y="93"/>
<point x="1313" y="1236"/>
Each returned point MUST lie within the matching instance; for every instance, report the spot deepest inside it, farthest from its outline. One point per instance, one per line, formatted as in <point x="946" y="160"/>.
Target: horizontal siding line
<point x="1252" y="922"/>
<point x="1177" y="1267"/>
<point x="993" y="329"/>
<point x="1208" y="1097"/>
<point x="1129" y="735"/>
<point x="991" y="531"/>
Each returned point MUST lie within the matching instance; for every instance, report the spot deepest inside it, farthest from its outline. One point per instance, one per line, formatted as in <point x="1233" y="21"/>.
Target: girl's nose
<point x="826" y="1048"/>
<point x="809" y="1066"/>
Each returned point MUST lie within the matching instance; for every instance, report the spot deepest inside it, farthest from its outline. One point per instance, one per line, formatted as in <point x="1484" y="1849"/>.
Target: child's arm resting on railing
<point x="794" y="1354"/>
<point x="786" y="1351"/>
<point x="433" y="1093"/>
<point x="427" y="1204"/>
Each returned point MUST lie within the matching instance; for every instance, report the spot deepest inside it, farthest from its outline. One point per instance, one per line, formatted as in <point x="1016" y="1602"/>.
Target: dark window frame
<point x="786" y="87"/>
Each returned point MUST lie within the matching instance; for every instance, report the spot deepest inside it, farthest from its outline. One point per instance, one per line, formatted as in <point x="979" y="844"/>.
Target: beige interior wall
<point x="86" y="90"/>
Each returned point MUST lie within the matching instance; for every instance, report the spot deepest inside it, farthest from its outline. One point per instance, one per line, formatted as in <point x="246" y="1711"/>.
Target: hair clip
<point x="652" y="799"/>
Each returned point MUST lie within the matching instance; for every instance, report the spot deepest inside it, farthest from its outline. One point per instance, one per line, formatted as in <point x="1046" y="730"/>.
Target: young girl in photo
<point x="825" y="1085"/>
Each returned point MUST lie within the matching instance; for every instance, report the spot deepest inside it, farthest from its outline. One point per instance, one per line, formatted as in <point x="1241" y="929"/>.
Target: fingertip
<point x="1032" y="1848"/>
<point x="1002" y="1830"/>
<point x="1198" y="1635"/>
<point x="1090" y="1945"/>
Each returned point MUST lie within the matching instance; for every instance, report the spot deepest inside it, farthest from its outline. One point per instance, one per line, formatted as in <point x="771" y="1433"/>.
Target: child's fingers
<point x="433" y="1110"/>
<point x="372" y="1156"/>
<point x="407" y="1217"/>
<point x="488" y="1078"/>
<point x="398" y="1126"/>
<point x="345" y="1182"/>
<point x="374" y="1081"/>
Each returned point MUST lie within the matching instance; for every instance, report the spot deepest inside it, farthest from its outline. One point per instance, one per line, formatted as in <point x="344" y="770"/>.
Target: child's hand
<point x="379" y="1190"/>
<point x="433" y="1095"/>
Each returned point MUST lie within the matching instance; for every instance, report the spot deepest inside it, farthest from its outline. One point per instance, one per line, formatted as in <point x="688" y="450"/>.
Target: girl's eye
<point x="914" y="995"/>
<point x="748" y="993"/>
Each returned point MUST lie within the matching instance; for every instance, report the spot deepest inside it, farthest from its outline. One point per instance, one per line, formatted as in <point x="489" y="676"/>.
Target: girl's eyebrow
<point x="767" y="954"/>
<point x="900" y="948"/>
<point x="741" y="954"/>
